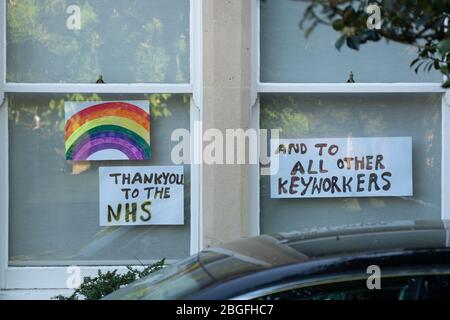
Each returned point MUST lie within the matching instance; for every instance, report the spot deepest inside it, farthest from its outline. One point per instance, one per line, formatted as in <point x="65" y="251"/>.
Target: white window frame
<point x="265" y="87"/>
<point x="54" y="278"/>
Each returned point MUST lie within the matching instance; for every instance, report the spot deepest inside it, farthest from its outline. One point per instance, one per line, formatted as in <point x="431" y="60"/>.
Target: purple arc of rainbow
<point x="99" y="144"/>
<point x="111" y="135"/>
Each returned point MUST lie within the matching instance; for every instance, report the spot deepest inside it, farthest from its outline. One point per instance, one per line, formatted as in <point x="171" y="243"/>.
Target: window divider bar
<point x="4" y="193"/>
<point x="55" y="277"/>
<point x="196" y="51"/>
<point x="255" y="49"/>
<point x="445" y="150"/>
<point x="4" y="180"/>
<point x="350" y="88"/>
<point x="196" y="115"/>
<point x="96" y="88"/>
<point x="2" y="49"/>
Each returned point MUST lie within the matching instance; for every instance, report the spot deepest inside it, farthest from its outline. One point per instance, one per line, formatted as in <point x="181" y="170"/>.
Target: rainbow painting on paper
<point x="113" y="130"/>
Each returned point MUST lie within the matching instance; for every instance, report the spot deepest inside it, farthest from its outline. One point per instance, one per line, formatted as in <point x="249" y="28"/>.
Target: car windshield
<point x="186" y="277"/>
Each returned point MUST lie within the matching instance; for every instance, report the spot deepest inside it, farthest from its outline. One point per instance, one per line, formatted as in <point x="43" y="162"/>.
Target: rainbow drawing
<point x="115" y="130"/>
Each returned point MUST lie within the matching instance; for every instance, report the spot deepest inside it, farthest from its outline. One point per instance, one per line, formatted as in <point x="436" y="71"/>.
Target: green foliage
<point x="105" y="283"/>
<point x="419" y="23"/>
<point x="45" y="114"/>
<point x="125" y="41"/>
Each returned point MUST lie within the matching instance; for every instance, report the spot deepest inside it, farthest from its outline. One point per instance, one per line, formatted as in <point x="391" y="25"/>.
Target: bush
<point x="105" y="283"/>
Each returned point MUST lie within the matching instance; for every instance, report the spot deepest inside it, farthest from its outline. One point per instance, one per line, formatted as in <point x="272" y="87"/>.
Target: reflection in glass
<point x="288" y="56"/>
<point x="393" y="288"/>
<point x="124" y="41"/>
<point x="357" y="115"/>
<point x="54" y="218"/>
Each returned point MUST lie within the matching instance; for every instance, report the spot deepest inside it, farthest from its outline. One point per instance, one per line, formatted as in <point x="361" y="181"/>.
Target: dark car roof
<point x="292" y="247"/>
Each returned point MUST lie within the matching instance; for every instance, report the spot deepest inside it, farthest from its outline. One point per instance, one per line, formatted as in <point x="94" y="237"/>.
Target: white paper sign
<point x="341" y="167"/>
<point x="132" y="196"/>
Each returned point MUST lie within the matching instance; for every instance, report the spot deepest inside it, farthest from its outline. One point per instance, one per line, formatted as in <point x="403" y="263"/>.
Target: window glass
<point x="287" y="56"/>
<point x="54" y="203"/>
<point x="356" y="115"/>
<point x="76" y="41"/>
<point x="404" y="288"/>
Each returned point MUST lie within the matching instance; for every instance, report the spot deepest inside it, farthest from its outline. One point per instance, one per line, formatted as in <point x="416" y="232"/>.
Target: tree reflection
<point x="125" y="41"/>
<point x="53" y="198"/>
<point x="357" y="115"/>
<point x="45" y="113"/>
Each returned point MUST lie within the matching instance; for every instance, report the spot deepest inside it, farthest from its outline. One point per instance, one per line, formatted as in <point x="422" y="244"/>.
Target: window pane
<point x="357" y="115"/>
<point x="287" y="56"/>
<point x="353" y="290"/>
<point x="402" y="288"/>
<point x="125" y="41"/>
<point x="54" y="203"/>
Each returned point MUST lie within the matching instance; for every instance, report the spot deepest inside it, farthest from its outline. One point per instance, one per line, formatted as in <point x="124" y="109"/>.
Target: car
<point x="406" y="260"/>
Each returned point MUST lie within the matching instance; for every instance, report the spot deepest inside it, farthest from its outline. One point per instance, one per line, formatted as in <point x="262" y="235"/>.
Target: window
<point x="302" y="90"/>
<point x="356" y="115"/>
<point x="49" y="193"/>
<point x="87" y="51"/>
<point x="397" y="288"/>
<point x="146" y="42"/>
<point x="288" y="56"/>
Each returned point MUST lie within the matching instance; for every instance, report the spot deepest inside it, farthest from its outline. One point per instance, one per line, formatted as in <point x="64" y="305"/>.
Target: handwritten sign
<point x="341" y="167"/>
<point x="131" y="196"/>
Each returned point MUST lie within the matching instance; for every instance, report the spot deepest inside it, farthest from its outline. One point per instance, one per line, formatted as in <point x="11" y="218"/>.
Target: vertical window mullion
<point x="4" y="193"/>
<point x="445" y="178"/>
<point x="2" y="49"/>
<point x="3" y="151"/>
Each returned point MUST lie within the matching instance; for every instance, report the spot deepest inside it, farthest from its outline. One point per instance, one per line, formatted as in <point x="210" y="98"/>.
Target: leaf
<point x="444" y="47"/>
<point x="311" y="29"/>
<point x="106" y="283"/>
<point x="436" y="65"/>
<point x="446" y="84"/>
<point x="414" y="62"/>
<point x="416" y="70"/>
<point x="373" y="36"/>
<point x="339" y="43"/>
<point x="338" y="25"/>
<point x="353" y="43"/>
